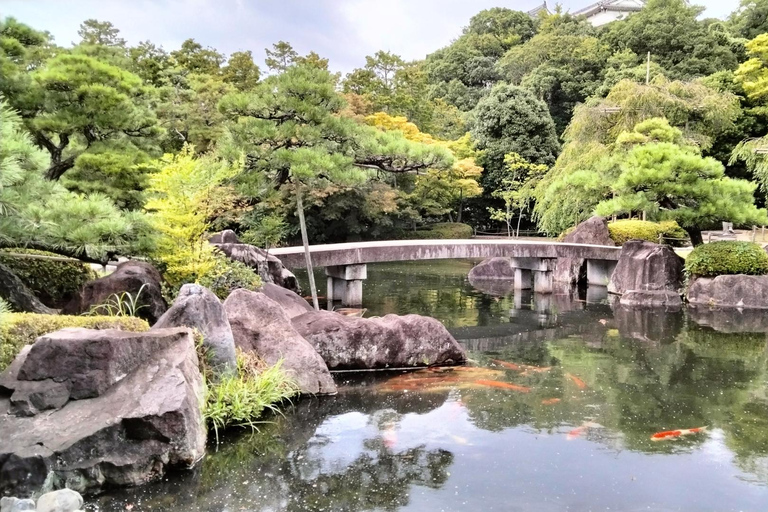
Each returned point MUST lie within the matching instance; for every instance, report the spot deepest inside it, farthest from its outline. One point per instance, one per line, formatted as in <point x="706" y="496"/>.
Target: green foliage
<point x="180" y="206"/>
<point x="622" y="231"/>
<point x="20" y="329"/>
<point x="53" y="282"/>
<point x="721" y="258"/>
<point x="120" y="304"/>
<point x="440" y="231"/>
<point x="669" y="180"/>
<point x="240" y="400"/>
<point x="750" y="19"/>
<point x="518" y="182"/>
<point x="227" y="276"/>
<point x="38" y="213"/>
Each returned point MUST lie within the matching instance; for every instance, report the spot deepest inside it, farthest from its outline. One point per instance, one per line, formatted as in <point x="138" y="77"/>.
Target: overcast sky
<point x="345" y="31"/>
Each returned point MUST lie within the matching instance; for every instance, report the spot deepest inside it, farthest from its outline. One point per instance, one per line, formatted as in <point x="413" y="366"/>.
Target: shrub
<point x="54" y="282"/>
<point x="441" y="231"/>
<point x="721" y="258"/>
<point x="227" y="276"/>
<point x="239" y="400"/>
<point x="623" y="231"/>
<point x="20" y="329"/>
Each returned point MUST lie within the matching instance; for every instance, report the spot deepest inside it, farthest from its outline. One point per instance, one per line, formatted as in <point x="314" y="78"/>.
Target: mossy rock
<point x="441" y="231"/>
<point x="53" y="282"/>
<point x="623" y="231"/>
<point x="20" y="329"/>
<point x="727" y="258"/>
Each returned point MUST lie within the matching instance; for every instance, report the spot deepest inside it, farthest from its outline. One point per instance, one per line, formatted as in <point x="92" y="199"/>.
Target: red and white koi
<point x="675" y="434"/>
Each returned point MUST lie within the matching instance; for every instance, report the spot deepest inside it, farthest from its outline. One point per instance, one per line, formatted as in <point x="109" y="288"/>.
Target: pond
<point x="557" y="415"/>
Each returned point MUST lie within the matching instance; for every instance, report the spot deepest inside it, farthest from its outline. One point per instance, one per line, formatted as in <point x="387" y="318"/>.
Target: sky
<point x="344" y="31"/>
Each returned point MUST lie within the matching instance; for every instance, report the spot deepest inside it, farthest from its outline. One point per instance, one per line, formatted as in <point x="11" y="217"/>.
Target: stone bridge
<point x="345" y="264"/>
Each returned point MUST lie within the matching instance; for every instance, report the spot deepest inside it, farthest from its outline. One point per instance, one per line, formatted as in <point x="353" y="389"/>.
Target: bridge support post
<point x="523" y="279"/>
<point x="542" y="281"/>
<point x="599" y="272"/>
<point x="345" y="283"/>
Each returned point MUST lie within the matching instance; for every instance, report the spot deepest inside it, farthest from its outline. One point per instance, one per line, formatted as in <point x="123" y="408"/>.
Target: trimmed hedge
<point x="441" y="231"/>
<point x="722" y="258"/>
<point x="20" y="329"/>
<point x="623" y="231"/>
<point x="54" y="282"/>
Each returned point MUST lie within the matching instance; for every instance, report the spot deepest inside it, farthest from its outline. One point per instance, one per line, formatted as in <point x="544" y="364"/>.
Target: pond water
<point x="558" y="415"/>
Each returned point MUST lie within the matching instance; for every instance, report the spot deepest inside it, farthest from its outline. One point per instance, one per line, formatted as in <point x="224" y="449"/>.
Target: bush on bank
<point x="53" y="282"/>
<point x="440" y="231"/>
<point x="723" y="258"/>
<point x="622" y="231"/>
<point x="20" y="329"/>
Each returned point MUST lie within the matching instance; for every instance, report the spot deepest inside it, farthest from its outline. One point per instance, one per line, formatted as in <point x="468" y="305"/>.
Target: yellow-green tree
<point x="180" y="207"/>
<point x="517" y="186"/>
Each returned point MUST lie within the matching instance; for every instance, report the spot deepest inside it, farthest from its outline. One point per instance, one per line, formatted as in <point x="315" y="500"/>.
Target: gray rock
<point x="569" y="270"/>
<point x="198" y="308"/>
<point x="129" y="277"/>
<point x="269" y="267"/>
<point x="293" y="304"/>
<point x="133" y="410"/>
<point x="493" y="268"/>
<point x="593" y="231"/>
<point x="260" y="325"/>
<point x="651" y="298"/>
<point x="733" y="291"/>
<point x="729" y="320"/>
<point x="645" y="267"/>
<point x="64" y="500"/>
<point x="391" y="341"/>
<point x="16" y="505"/>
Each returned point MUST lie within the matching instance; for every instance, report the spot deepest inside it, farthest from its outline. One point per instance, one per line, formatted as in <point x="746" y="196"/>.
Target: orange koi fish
<point x="674" y="434"/>
<point x="579" y="383"/>
<point x="578" y="431"/>
<point x="550" y="401"/>
<point x="503" y="385"/>
<point x="507" y="365"/>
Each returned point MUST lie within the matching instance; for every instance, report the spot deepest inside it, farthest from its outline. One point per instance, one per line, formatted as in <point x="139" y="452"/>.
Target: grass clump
<point x="227" y="276"/>
<point x="53" y="282"/>
<point x="622" y="231"/>
<point x="440" y="231"/>
<point x="723" y="258"/>
<point x="240" y="400"/>
<point x="20" y="329"/>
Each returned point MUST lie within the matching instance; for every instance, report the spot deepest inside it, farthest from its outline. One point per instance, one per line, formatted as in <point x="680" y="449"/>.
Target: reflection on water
<point x="558" y="417"/>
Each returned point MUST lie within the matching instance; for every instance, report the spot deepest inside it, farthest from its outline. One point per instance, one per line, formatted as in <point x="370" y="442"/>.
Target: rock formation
<point x="653" y="274"/>
<point x="86" y="409"/>
<point x="130" y="276"/>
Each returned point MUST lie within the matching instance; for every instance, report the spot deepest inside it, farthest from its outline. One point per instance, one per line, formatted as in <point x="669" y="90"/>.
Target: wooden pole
<point x="307" y="256"/>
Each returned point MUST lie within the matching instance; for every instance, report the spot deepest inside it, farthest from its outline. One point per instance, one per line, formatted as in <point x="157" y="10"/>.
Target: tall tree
<point x="193" y="57"/>
<point x="241" y="71"/>
<point x="102" y="33"/>
<point x="83" y="102"/>
<point x="750" y="19"/>
<point x="280" y="56"/>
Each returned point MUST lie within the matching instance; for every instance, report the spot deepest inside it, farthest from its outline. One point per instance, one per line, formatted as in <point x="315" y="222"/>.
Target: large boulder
<point x="64" y="500"/>
<point x="87" y="409"/>
<point x="268" y="266"/>
<point x="392" y="341"/>
<point x="648" y="267"/>
<point x="292" y="303"/>
<point x="138" y="278"/>
<point x="261" y="326"/>
<point x="198" y="308"/>
<point x="493" y="268"/>
<point x="593" y="231"/>
<point x="730" y="291"/>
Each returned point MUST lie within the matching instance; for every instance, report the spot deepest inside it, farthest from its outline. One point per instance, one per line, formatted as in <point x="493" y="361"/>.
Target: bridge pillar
<point x="534" y="273"/>
<point x="599" y="271"/>
<point x="542" y="281"/>
<point x="345" y="283"/>
<point x="523" y="279"/>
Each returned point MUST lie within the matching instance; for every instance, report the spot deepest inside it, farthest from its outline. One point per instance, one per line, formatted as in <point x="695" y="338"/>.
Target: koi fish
<point x="674" y="434"/>
<point x="503" y="385"/>
<point x="550" y="401"/>
<point x="507" y="365"/>
<point x="578" y="431"/>
<point x="579" y="383"/>
<point x="389" y="437"/>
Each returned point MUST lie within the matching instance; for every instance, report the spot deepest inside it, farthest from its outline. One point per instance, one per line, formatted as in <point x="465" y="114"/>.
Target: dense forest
<point x="538" y="122"/>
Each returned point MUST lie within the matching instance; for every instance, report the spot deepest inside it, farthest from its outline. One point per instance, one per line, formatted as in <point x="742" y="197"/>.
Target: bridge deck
<point x="411" y="250"/>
